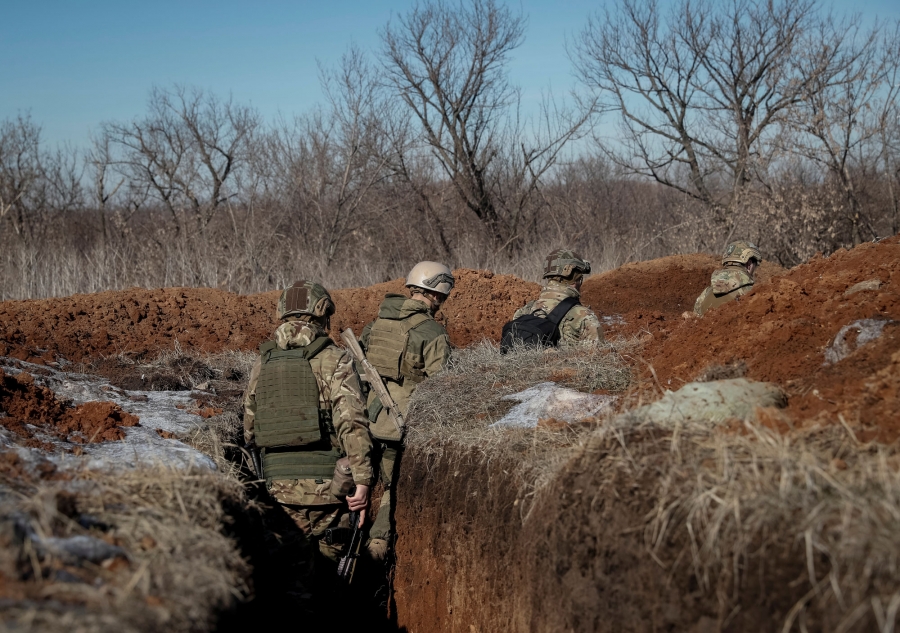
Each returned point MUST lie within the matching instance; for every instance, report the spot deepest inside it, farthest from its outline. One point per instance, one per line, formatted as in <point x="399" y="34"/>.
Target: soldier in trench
<point x="564" y="273"/>
<point x="304" y="408"/>
<point x="733" y="280"/>
<point x="406" y="345"/>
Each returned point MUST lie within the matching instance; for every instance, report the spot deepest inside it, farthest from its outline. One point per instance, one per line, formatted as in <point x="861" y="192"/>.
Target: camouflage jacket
<point x="580" y="323"/>
<point x="339" y="390"/>
<point x="426" y="353"/>
<point x="726" y="284"/>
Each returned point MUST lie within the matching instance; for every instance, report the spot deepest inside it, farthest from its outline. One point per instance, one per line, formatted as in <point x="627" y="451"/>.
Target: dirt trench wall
<point x="467" y="562"/>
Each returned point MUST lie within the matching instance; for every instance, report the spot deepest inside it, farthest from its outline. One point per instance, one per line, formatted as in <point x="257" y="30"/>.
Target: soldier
<point x="304" y="407"/>
<point x="564" y="271"/>
<point x="406" y="345"/>
<point x="733" y="280"/>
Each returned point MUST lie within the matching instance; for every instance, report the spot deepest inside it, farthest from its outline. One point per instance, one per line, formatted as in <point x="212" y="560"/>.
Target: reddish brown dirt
<point x="27" y="405"/>
<point x="781" y="331"/>
<point x="142" y="322"/>
<point x="650" y="295"/>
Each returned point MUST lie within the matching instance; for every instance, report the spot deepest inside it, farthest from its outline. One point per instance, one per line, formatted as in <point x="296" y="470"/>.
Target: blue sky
<point x="73" y="64"/>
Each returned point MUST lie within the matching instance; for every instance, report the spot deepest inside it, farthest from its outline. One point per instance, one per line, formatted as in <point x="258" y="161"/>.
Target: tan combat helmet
<point x="305" y="297"/>
<point x="564" y="263"/>
<point x="431" y="276"/>
<point x="741" y="252"/>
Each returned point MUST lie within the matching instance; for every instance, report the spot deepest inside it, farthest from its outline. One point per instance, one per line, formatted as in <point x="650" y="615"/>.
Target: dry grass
<point x="458" y="405"/>
<point x="179" y="571"/>
<point x="814" y="514"/>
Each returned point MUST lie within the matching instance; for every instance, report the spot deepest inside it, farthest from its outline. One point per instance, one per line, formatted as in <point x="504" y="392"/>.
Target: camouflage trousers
<point x="313" y="509"/>
<point x="389" y="454"/>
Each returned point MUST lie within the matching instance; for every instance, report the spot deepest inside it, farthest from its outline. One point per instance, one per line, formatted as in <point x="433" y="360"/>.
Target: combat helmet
<point x="564" y="263"/>
<point x="741" y="252"/>
<point x="305" y="297"/>
<point x="431" y="276"/>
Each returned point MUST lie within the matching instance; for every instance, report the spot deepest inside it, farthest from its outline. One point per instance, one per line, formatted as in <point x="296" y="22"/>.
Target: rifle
<point x="374" y="379"/>
<point x="347" y="561"/>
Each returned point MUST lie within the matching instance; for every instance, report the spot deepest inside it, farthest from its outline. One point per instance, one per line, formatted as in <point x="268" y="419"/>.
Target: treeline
<point x="693" y="125"/>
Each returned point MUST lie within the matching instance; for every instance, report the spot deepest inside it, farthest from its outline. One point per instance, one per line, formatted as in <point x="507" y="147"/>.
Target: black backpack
<point x="536" y="331"/>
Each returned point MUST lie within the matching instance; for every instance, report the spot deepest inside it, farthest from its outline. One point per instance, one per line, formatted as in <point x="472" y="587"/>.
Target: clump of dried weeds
<point x="810" y="517"/>
<point x="170" y="566"/>
<point x="457" y="406"/>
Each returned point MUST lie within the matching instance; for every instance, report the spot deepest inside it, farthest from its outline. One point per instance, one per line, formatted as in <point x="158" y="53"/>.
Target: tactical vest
<point x="287" y="396"/>
<point x="386" y="348"/>
<point x="289" y="425"/>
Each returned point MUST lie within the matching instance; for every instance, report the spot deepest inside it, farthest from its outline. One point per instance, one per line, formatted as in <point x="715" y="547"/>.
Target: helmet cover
<point x="564" y="262"/>
<point x="741" y="252"/>
<point x="305" y="297"/>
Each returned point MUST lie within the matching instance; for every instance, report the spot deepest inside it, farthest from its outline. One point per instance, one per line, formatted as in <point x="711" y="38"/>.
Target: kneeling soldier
<point x="406" y="345"/>
<point x="733" y="280"/>
<point x="304" y="408"/>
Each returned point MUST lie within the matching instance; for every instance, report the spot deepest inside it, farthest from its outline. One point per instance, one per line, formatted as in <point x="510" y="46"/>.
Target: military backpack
<point x="534" y="331"/>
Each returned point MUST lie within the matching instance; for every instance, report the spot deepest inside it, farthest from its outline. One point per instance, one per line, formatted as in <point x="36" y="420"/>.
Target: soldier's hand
<point x="359" y="502"/>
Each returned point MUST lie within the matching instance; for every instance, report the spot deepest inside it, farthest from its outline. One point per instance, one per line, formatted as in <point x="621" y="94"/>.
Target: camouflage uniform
<point x="580" y="323"/>
<point x="726" y="284"/>
<point x="309" y="501"/>
<point x="426" y="353"/>
<point x="732" y="281"/>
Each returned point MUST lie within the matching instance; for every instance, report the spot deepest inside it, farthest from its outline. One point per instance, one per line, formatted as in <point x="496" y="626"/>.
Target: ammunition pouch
<point x="293" y="463"/>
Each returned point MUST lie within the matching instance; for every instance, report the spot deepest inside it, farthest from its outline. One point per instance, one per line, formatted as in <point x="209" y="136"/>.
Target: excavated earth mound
<point x="29" y="410"/>
<point x="142" y="322"/>
<point x="785" y="332"/>
<point x="649" y="295"/>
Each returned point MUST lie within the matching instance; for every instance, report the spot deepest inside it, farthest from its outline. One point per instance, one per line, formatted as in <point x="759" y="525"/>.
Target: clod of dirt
<point x="31" y="409"/>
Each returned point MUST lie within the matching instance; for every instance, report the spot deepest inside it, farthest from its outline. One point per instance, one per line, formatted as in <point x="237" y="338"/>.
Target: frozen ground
<point x="142" y="445"/>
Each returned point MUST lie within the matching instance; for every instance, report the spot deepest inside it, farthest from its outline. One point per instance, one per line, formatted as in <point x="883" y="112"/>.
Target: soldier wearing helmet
<point x="406" y="345"/>
<point x="564" y="272"/>
<point x="304" y="408"/>
<point x="733" y="280"/>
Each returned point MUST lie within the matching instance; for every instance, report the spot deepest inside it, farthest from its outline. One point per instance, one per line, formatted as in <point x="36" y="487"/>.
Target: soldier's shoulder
<point x="528" y="308"/>
<point x="730" y="278"/>
<point x="430" y="329"/>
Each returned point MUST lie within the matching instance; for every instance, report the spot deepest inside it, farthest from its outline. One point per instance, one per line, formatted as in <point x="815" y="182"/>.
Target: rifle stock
<point x="374" y="379"/>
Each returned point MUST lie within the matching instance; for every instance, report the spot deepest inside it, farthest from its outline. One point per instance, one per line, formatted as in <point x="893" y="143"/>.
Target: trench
<point x="472" y="558"/>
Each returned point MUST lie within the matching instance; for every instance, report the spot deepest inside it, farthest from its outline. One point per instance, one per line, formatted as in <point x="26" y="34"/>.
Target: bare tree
<point x="702" y="88"/>
<point x="328" y="164"/>
<point x="20" y="172"/>
<point x="184" y="152"/>
<point x="840" y="122"/>
<point x="448" y="63"/>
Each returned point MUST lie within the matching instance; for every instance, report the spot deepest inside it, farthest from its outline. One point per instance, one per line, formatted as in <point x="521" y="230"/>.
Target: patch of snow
<point x="868" y="330"/>
<point x="549" y="400"/>
<point x="142" y="446"/>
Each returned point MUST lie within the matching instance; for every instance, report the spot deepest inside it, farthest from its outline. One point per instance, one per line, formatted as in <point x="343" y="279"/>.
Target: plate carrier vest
<point x="289" y="425"/>
<point x="386" y="348"/>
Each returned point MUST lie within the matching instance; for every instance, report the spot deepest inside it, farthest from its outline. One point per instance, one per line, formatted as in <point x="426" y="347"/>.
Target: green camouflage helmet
<point x="741" y="252"/>
<point x="564" y="263"/>
<point x="305" y="297"/>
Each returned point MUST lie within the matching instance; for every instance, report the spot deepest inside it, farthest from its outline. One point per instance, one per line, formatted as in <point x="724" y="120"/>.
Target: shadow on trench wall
<point x="289" y="586"/>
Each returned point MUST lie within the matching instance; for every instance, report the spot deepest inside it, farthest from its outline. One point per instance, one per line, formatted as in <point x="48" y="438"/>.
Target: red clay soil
<point x="26" y="405"/>
<point x="781" y="331"/>
<point x="143" y="322"/>
<point x="649" y="295"/>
